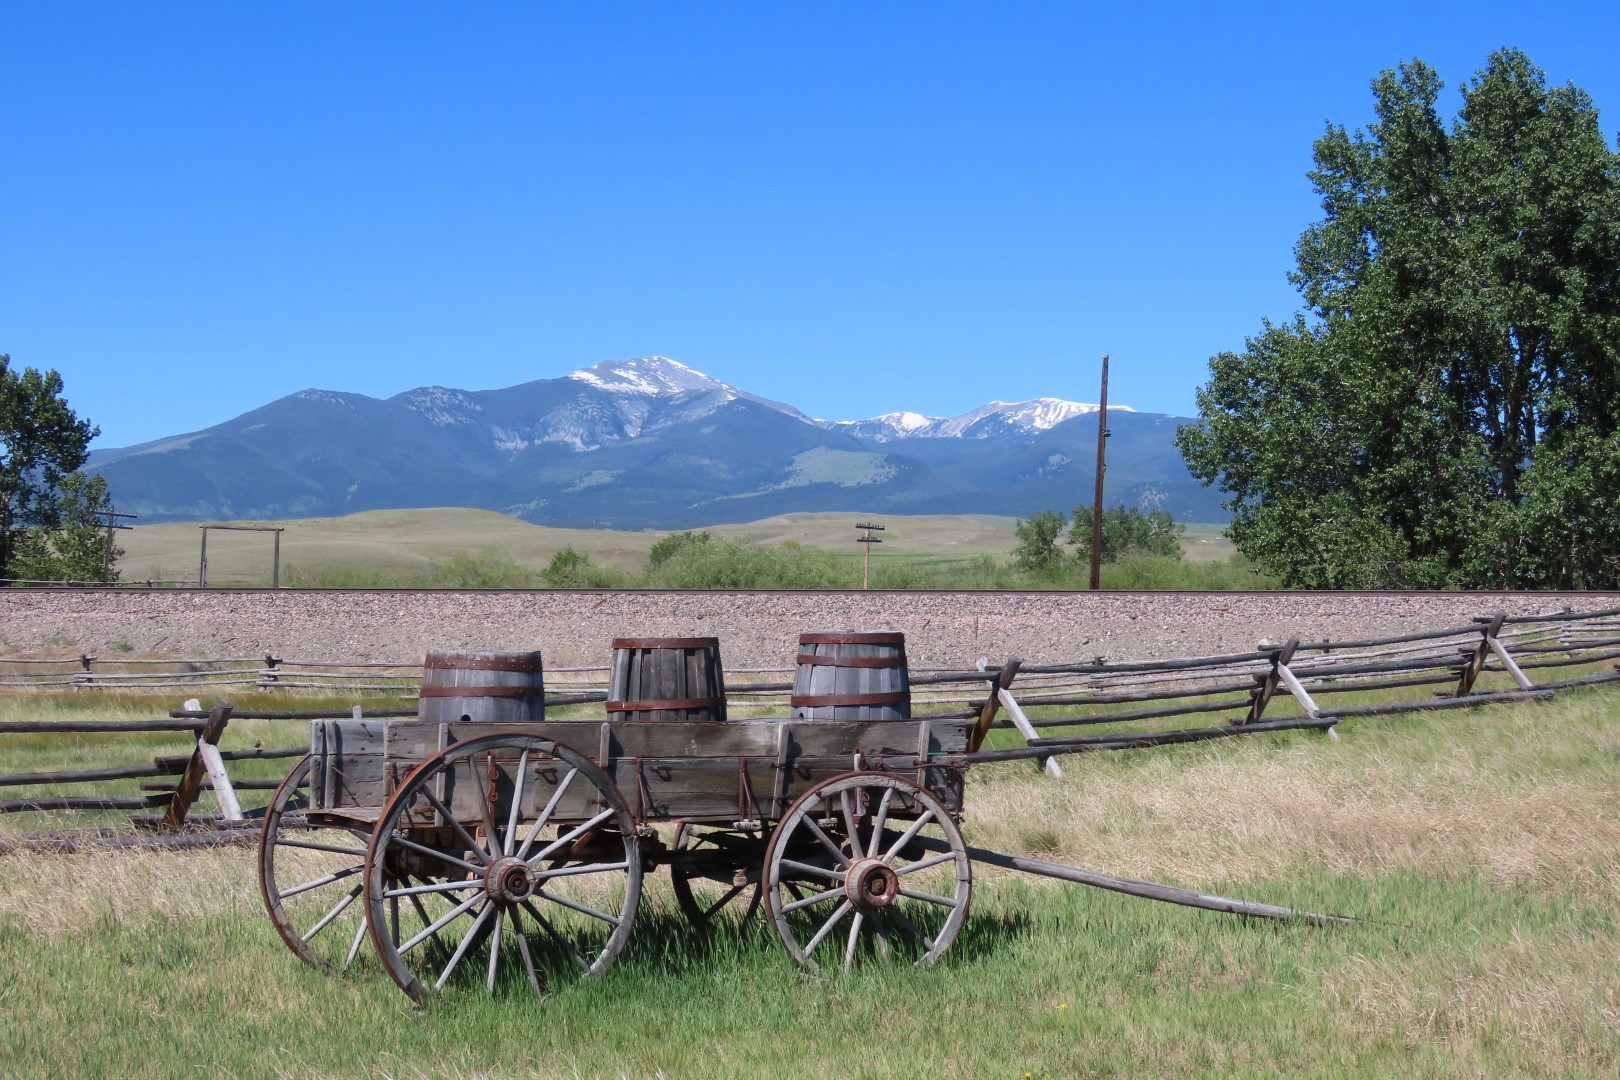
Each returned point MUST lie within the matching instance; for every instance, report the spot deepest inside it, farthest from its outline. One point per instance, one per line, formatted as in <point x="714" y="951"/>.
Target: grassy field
<point x="407" y="542"/>
<point x="1480" y="850"/>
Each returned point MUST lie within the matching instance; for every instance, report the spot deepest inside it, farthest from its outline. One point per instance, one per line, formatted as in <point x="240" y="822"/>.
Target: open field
<point x="1480" y="849"/>
<point x="402" y="542"/>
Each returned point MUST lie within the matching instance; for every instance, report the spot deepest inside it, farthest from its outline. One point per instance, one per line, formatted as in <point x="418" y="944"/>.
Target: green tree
<point x="674" y="544"/>
<point x="76" y="547"/>
<point x="1040" y="541"/>
<point x="42" y="446"/>
<point x="1447" y="410"/>
<point x="1127" y="531"/>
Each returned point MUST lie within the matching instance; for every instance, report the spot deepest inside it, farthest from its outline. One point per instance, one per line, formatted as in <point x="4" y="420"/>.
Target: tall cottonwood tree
<point x="46" y="504"/>
<point x="1446" y="412"/>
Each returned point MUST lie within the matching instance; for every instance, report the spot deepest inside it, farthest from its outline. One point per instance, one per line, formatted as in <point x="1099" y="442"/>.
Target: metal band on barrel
<point x="812" y="660"/>
<point x="667" y="643"/>
<point x="520" y="662"/>
<point x="822" y="701"/>
<point x="482" y="691"/>
<point x="852" y="639"/>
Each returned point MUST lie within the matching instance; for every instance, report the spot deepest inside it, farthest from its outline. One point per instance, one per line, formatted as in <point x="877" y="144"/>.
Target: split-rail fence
<point x="1279" y="686"/>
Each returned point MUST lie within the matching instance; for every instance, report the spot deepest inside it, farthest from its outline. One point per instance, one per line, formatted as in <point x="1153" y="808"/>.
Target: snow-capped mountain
<point x="641" y="443"/>
<point x="998" y="418"/>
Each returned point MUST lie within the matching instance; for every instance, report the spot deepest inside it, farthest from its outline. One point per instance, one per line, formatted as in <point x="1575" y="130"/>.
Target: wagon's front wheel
<point x="867" y="864"/>
<point x="519" y="861"/>
<point x="310" y="878"/>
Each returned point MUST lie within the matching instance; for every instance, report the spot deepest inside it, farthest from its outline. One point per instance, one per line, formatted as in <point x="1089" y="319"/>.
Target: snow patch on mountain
<point x="987" y="421"/>
<point x="651" y="376"/>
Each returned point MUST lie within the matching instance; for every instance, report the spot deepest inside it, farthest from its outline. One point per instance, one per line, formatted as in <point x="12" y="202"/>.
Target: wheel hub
<point x="871" y="883"/>
<point x="509" y="880"/>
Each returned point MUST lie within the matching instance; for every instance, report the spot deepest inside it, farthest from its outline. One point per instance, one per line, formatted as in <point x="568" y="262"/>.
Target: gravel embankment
<point x="943" y="630"/>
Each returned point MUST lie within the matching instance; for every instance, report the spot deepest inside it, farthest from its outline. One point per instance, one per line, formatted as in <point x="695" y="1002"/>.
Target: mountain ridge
<point x="640" y="443"/>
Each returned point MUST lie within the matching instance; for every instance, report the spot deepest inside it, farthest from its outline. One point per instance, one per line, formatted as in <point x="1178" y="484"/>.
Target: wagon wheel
<point x="542" y="888"/>
<point x="703" y="897"/>
<point x="311" y="877"/>
<point x="872" y="863"/>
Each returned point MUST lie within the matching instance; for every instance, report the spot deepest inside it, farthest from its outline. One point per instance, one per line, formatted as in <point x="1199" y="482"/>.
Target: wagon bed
<point x="737" y="770"/>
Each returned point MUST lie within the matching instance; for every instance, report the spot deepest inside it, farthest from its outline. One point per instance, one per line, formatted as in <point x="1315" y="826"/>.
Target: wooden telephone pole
<point x="866" y="560"/>
<point x="1097" y="502"/>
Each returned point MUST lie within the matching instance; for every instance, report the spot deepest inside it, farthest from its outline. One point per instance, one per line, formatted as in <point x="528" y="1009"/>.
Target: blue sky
<point x="853" y="207"/>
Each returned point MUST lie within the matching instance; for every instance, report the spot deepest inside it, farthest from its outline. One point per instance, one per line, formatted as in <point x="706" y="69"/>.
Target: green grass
<point x="456" y="548"/>
<point x="1480" y="849"/>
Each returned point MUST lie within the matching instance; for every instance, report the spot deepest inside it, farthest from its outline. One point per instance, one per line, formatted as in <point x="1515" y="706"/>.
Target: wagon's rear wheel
<point x="867" y="865"/>
<point x="523" y="868"/>
<point x="723" y="876"/>
<point x="311" y="878"/>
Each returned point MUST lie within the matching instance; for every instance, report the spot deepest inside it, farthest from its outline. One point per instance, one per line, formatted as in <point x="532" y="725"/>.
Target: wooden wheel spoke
<point x="463" y="946"/>
<point x="826" y="928"/>
<point x="523" y="950"/>
<point x="432" y="887"/>
<point x="925" y="864"/>
<point x="815" y="871"/>
<point x="826" y="841"/>
<point x="810" y="901"/>
<point x="545" y="814"/>
<point x="575" y="905"/>
<point x="517" y="803"/>
<point x="461" y="831"/>
<point x="444" y="857"/>
<point x="440" y="923"/>
<point x="354" y="945"/>
<point x="854" y="940"/>
<point x="484" y="811"/>
<point x="324" y="879"/>
<point x="584" y="868"/>
<point x="556" y="935"/>
<point x="569" y="837"/>
<point x="311" y="845"/>
<point x="495" y="950"/>
<point x="881" y="940"/>
<point x="336" y="910"/>
<point x="844" y="804"/>
<point x="421" y="911"/>
<point x="906" y="837"/>
<point x="878" y="822"/>
<point x="930" y="898"/>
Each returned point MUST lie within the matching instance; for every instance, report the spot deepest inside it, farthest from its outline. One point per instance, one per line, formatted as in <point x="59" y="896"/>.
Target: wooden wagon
<point x="515" y="852"/>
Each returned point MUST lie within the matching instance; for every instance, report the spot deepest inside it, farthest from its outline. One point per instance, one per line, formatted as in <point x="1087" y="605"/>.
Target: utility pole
<point x="866" y="559"/>
<point x="1097" y="502"/>
<point x="107" y="554"/>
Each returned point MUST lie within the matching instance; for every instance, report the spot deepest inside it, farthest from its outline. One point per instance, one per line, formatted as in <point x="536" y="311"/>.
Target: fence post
<point x="269" y="677"/>
<point x="1490" y="626"/>
<point x="1267" y="688"/>
<point x="185" y="793"/>
<point x="87" y="677"/>
<point x="992" y="701"/>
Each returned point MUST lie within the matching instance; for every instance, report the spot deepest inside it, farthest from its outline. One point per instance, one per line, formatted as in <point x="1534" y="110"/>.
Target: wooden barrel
<point x="852" y="676"/>
<point x="666" y="679"/>
<point x="482" y="687"/>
